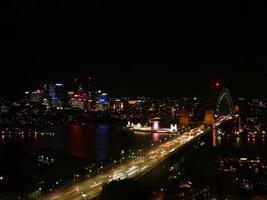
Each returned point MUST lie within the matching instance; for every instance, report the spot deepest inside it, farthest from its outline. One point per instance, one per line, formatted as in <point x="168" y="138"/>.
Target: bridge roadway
<point x="91" y="187"/>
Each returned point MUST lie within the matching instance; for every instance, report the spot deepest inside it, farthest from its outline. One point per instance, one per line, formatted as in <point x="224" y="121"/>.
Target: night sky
<point x="134" y="48"/>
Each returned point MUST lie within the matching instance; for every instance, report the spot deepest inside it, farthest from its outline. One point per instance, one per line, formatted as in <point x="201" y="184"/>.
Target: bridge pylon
<point x="185" y="118"/>
<point x="237" y="111"/>
<point x="209" y="120"/>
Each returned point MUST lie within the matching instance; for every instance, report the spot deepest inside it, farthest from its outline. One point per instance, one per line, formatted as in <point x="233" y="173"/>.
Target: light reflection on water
<point x="156" y="137"/>
<point x="238" y="142"/>
<point x="95" y="142"/>
<point x="241" y="144"/>
<point x="99" y="142"/>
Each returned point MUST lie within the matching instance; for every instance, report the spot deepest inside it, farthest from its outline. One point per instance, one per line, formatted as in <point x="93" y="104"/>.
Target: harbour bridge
<point x="220" y="108"/>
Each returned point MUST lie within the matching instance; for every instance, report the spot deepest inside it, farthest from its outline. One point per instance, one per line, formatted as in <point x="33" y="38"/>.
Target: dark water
<point x="94" y="142"/>
<point x="243" y="145"/>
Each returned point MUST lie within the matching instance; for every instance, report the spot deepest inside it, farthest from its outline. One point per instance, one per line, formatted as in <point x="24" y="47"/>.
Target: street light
<point x="75" y="176"/>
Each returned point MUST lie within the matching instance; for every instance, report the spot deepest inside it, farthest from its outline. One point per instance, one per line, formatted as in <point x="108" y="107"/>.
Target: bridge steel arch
<point x="224" y="104"/>
<point x="217" y="99"/>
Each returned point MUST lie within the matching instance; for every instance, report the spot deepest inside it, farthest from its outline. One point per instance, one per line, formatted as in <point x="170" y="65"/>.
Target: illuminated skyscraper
<point x="36" y="96"/>
<point x="117" y="104"/>
<point x="56" y="95"/>
<point x="52" y="91"/>
<point x="102" y="101"/>
<point x="27" y="95"/>
<point x="79" y="99"/>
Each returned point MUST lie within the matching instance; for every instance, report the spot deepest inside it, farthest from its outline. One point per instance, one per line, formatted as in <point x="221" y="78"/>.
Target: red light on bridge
<point x="216" y="84"/>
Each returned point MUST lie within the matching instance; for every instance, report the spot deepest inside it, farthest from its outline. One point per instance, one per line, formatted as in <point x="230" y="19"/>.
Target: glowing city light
<point x="155" y="126"/>
<point x="102" y="100"/>
<point x="59" y="84"/>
